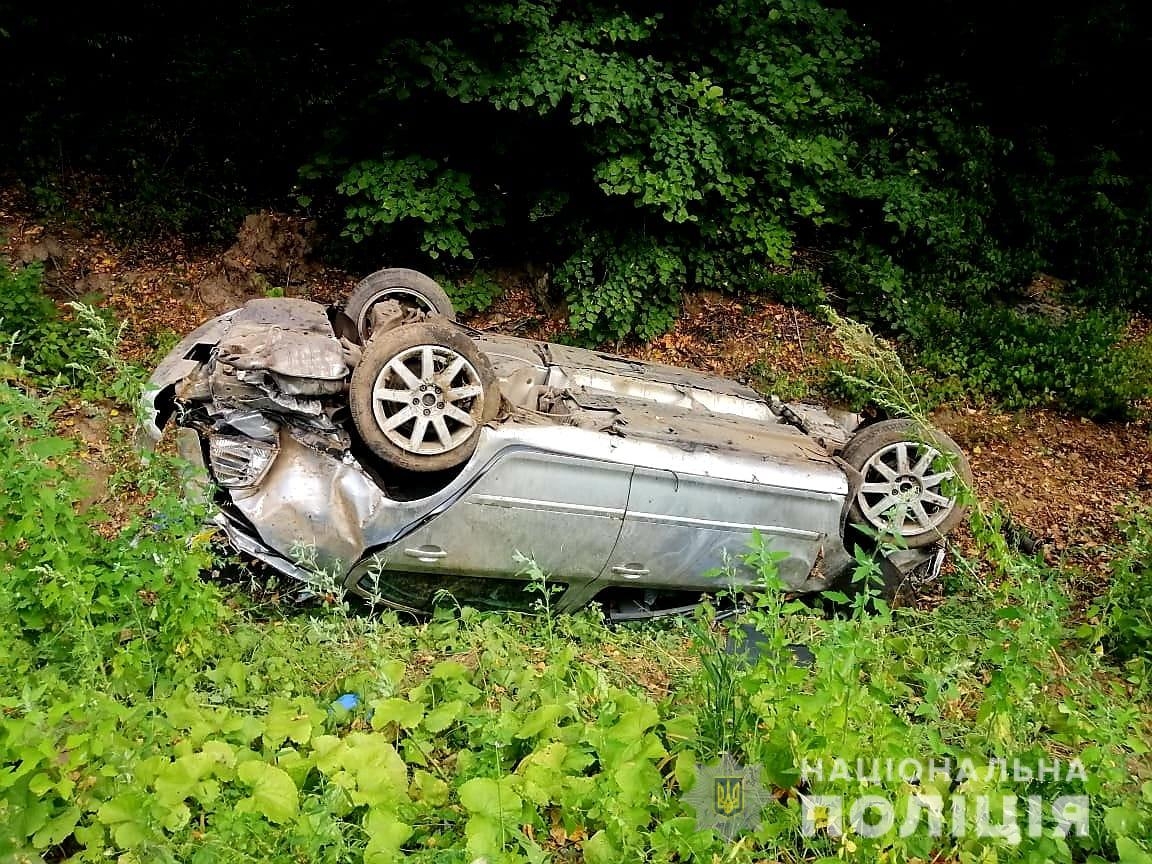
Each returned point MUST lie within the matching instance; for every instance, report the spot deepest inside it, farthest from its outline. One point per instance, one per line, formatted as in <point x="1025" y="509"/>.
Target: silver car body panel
<point x="524" y="491"/>
<point x="603" y="470"/>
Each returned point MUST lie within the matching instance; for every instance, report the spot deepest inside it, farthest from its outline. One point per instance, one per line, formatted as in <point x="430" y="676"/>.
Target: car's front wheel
<point x="913" y="481"/>
<point x="420" y="395"/>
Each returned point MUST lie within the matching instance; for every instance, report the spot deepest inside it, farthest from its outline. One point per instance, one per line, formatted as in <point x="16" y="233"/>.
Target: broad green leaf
<point x="1122" y="821"/>
<point x="220" y="752"/>
<point x="393" y="671"/>
<point x="441" y="718"/>
<point x="632" y="725"/>
<point x="598" y="849"/>
<point x="129" y="835"/>
<point x="58" y="828"/>
<point x="91" y="837"/>
<point x="429" y="789"/>
<point x="544" y="773"/>
<point x="637" y="780"/>
<point x="386" y="834"/>
<point x="403" y="713"/>
<point x="448" y="669"/>
<point x="381" y="776"/>
<point x="274" y="795"/>
<point x="493" y="798"/>
<point x="550" y="757"/>
<point x="328" y="751"/>
<point x="682" y="727"/>
<point x="295" y="764"/>
<point x="122" y="808"/>
<point x="543" y="719"/>
<point x="485" y="836"/>
<point x="288" y="719"/>
<point x="1129" y="852"/>
<point x="684" y="770"/>
<point x="176" y="818"/>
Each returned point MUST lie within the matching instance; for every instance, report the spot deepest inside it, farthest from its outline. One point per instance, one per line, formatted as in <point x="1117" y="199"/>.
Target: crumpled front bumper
<point x="310" y="498"/>
<point x="181" y="361"/>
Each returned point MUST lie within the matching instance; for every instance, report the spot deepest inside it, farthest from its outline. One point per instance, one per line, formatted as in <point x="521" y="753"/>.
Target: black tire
<point x="426" y="398"/>
<point x="409" y="287"/>
<point x="868" y="452"/>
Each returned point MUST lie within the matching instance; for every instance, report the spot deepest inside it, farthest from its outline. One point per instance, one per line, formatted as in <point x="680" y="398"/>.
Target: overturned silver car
<point x="409" y="456"/>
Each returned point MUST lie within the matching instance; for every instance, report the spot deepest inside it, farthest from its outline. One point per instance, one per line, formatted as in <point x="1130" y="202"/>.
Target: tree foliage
<point x="638" y="149"/>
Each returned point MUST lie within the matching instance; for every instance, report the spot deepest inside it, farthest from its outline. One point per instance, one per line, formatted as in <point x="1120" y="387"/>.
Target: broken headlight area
<point x="239" y="462"/>
<point x="278" y="369"/>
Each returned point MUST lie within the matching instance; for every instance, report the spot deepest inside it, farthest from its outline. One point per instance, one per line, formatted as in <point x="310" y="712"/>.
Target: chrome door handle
<point x="630" y="571"/>
<point x="427" y="554"/>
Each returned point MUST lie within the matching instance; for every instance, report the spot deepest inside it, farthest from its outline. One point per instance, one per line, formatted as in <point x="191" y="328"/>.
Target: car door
<point x="678" y="527"/>
<point x="563" y="512"/>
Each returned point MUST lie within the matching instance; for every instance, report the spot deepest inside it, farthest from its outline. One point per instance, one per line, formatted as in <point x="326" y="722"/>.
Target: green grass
<point x="150" y="714"/>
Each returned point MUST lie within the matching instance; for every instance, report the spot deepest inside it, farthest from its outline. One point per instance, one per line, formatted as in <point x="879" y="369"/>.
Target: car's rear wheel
<point x="412" y="290"/>
<point x="913" y="478"/>
<point x="420" y="395"/>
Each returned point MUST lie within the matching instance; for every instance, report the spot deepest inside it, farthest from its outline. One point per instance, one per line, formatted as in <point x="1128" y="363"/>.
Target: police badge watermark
<point x="728" y="797"/>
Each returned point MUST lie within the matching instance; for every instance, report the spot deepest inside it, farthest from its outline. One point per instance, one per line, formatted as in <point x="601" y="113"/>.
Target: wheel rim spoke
<point x="427" y="363"/>
<point x="419" y="430"/>
<point x="883" y="506"/>
<point x="920" y="513"/>
<point x="402" y="416"/>
<point x="924" y="462"/>
<point x="467" y="392"/>
<point x="397" y="367"/>
<point x="932" y="498"/>
<point x="387" y="394"/>
<point x="883" y="470"/>
<point x="459" y="416"/>
<point x="449" y="374"/>
<point x="902" y="458"/>
<point x="876" y="488"/>
<point x="931" y="481"/>
<point x="442" y="432"/>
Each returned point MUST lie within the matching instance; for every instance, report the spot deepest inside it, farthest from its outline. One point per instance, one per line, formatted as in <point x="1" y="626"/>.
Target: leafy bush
<point x="1126" y="608"/>
<point x="113" y="608"/>
<point x="475" y="295"/>
<point x="438" y="204"/>
<point x="692" y="150"/>
<point x="30" y="324"/>
<point x="648" y="151"/>
<point x="615" y="290"/>
<point x="1026" y="359"/>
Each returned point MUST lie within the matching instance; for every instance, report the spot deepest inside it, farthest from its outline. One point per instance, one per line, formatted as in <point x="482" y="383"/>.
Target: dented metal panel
<point x="286" y="337"/>
<point x="310" y="500"/>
